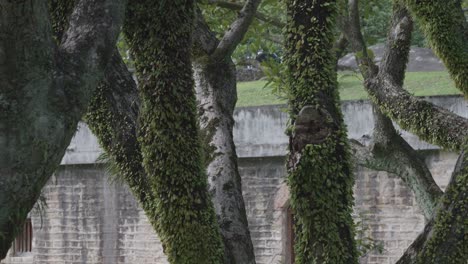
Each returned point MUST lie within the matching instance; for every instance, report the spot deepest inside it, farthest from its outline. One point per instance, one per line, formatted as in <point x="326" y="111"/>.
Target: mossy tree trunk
<point x="45" y="88"/>
<point x="112" y="117"/>
<point x="159" y="35"/>
<point x="444" y="239"/>
<point x="445" y="26"/>
<point x="320" y="176"/>
<point x="112" y="114"/>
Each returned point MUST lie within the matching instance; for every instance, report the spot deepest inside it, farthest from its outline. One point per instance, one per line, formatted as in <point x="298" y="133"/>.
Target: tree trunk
<point x="444" y="239"/>
<point x="320" y="177"/>
<point x="445" y="26"/>
<point x="44" y="91"/>
<point x="112" y="116"/>
<point x="215" y="85"/>
<point x="215" y="77"/>
<point x="160" y="37"/>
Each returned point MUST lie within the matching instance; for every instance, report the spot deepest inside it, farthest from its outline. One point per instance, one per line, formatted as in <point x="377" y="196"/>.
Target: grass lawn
<point x="418" y="83"/>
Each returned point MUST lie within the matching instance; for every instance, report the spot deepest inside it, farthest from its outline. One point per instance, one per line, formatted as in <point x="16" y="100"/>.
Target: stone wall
<point x="89" y="220"/>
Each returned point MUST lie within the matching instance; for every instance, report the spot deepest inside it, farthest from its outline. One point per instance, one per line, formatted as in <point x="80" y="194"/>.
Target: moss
<point x="320" y="176"/>
<point x="445" y="26"/>
<point x="159" y="35"/>
<point x="60" y="11"/>
<point x="448" y="243"/>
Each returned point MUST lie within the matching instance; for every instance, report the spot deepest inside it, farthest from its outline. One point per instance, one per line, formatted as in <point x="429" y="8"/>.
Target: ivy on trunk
<point x="159" y="34"/>
<point x="320" y="176"/>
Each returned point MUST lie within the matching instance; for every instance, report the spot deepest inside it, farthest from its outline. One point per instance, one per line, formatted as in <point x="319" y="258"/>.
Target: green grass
<point x="350" y="85"/>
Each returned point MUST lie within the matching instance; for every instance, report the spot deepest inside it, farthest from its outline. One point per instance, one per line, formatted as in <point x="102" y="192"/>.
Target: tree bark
<point x="112" y="116"/>
<point x="429" y="122"/>
<point x="45" y="89"/>
<point x="319" y="174"/>
<point x="216" y="96"/>
<point x="160" y="37"/>
<point x="389" y="151"/>
<point x="215" y="84"/>
<point x="446" y="28"/>
<point x="444" y="239"/>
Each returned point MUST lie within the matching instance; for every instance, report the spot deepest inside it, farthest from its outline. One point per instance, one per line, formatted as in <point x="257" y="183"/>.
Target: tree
<point x="45" y="89"/>
<point x="159" y="35"/>
<point x="113" y="114"/>
<point x="320" y="175"/>
<point x="215" y="84"/>
<point x="444" y="237"/>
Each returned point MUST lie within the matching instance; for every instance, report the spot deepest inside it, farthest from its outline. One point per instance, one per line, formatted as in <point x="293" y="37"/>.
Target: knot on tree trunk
<point x="312" y="126"/>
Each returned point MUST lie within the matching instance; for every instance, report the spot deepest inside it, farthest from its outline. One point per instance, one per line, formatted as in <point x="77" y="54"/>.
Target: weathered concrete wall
<point x="259" y="131"/>
<point x="89" y="221"/>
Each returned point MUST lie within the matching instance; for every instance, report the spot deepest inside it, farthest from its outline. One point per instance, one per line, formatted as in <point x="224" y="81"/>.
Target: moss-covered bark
<point x="444" y="239"/>
<point x="429" y="122"/>
<point x="159" y="35"/>
<point x="445" y="26"/>
<point x="112" y="116"/>
<point x="320" y="177"/>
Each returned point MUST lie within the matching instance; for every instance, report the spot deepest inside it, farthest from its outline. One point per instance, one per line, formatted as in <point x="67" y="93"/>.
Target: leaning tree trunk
<point x="217" y="96"/>
<point x="320" y="176"/>
<point x="159" y="34"/>
<point x="215" y="77"/>
<point x="44" y="90"/>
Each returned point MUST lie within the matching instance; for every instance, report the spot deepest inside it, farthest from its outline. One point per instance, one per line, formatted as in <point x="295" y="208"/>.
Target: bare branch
<point x="340" y="46"/>
<point x="351" y="28"/>
<point x="237" y="30"/>
<point x="204" y="40"/>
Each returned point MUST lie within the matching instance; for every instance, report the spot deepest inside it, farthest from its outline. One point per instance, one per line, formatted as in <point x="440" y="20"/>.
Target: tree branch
<point x="86" y="48"/>
<point x="259" y="15"/>
<point x="351" y="29"/>
<point x="446" y="28"/>
<point x="236" y="32"/>
<point x="444" y="237"/>
<point x="39" y="126"/>
<point x="390" y="151"/>
<point x="429" y="122"/>
<point x="204" y="40"/>
<point x="340" y="47"/>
